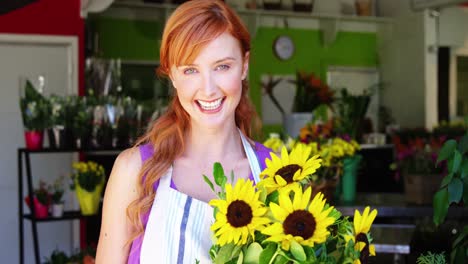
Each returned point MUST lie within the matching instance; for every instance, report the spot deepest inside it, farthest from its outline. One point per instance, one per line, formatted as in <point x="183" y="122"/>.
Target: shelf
<point x="55" y="150"/>
<point x="329" y="24"/>
<point x="67" y="215"/>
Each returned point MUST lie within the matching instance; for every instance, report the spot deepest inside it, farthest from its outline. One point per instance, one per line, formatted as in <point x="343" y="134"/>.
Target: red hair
<point x="192" y="25"/>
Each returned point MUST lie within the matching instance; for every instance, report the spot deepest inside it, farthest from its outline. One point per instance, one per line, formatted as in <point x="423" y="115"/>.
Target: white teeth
<point x="210" y="105"/>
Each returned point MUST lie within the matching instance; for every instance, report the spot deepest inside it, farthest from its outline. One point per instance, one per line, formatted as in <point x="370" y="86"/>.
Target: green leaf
<point x="455" y="189"/>
<point x="209" y="182"/>
<point x="460" y="237"/>
<point x="464" y="168"/>
<point x="447" y="150"/>
<point x="218" y="174"/>
<point x="463" y="145"/>
<point x="236" y="251"/>
<point x="240" y="260"/>
<point x="252" y="254"/>
<point x="297" y="251"/>
<point x="267" y="254"/>
<point x="441" y="205"/>
<point x="457" y="158"/>
<point x="280" y="259"/>
<point x="465" y="191"/>
<point x="224" y="254"/>
<point x="273" y="197"/>
<point x="446" y="180"/>
<point x="459" y="255"/>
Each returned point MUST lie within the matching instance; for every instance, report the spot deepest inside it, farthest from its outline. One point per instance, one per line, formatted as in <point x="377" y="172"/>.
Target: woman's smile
<point x="213" y="106"/>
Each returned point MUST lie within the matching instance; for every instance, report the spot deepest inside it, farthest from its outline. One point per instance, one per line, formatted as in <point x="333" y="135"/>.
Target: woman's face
<point x="210" y="88"/>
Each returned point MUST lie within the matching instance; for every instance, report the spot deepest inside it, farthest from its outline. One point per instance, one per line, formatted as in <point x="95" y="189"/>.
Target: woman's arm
<point x="121" y="190"/>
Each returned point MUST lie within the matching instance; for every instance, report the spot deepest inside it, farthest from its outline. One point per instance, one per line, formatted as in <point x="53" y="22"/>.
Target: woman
<point x="155" y="206"/>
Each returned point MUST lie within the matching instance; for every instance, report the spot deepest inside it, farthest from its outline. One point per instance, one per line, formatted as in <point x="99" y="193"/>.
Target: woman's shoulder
<point x="128" y="163"/>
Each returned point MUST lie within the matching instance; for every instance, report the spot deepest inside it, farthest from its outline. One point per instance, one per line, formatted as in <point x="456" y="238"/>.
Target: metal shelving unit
<point x="24" y="159"/>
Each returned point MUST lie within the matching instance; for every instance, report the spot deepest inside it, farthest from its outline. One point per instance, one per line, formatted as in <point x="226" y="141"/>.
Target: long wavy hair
<point x="188" y="30"/>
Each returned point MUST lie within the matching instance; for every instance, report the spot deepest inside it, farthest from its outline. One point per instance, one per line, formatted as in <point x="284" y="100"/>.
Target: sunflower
<point x="299" y="219"/>
<point x="239" y="215"/>
<point x="289" y="168"/>
<point x="359" y="236"/>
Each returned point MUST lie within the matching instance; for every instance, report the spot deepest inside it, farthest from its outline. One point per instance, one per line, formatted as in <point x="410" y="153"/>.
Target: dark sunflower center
<point x="287" y="172"/>
<point x="300" y="223"/>
<point x="361" y="237"/>
<point x="239" y="213"/>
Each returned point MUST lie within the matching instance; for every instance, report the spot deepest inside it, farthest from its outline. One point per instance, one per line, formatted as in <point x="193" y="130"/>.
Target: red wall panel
<point x="49" y="17"/>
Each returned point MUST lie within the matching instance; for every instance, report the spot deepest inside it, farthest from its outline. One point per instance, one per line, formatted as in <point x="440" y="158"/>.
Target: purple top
<point x="146" y="151"/>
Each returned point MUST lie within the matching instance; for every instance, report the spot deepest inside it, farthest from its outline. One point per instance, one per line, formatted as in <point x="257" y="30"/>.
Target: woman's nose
<point x="209" y="86"/>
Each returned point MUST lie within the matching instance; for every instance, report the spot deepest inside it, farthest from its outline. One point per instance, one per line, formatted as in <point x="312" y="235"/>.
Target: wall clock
<point x="283" y="47"/>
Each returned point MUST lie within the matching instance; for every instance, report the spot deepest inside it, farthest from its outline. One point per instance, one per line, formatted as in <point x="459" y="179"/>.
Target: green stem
<point x="274" y="255"/>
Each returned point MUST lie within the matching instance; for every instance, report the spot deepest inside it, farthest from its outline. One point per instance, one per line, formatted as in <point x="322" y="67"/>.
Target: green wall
<point x="128" y="39"/>
<point x="349" y="49"/>
<point x="139" y="40"/>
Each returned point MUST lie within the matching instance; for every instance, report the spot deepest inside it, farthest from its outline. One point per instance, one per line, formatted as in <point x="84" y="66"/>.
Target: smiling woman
<point x="205" y="54"/>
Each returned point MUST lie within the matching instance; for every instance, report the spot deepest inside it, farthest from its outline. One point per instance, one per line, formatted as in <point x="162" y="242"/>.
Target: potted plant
<point x="88" y="181"/>
<point x="82" y="122"/>
<point x="41" y="201"/>
<point x="34" y="111"/>
<point x="56" y="191"/>
<point x="57" y="257"/>
<point x="350" y="111"/>
<point x="453" y="190"/>
<point x="310" y="94"/>
<point x="126" y="131"/>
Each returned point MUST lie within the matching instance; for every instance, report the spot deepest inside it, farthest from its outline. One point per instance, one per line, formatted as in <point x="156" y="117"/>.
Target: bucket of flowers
<point x="337" y="154"/>
<point x="416" y="154"/>
<point x="280" y="220"/>
<point x="88" y="182"/>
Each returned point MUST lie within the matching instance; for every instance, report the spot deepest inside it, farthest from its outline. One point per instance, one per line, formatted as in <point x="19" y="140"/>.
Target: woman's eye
<point x="222" y="67"/>
<point x="189" y="71"/>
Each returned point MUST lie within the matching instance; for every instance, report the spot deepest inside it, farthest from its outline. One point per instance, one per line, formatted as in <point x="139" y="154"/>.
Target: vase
<point x="57" y="210"/>
<point x="34" y="139"/>
<point x="89" y="201"/>
<point x="57" y="137"/>
<point x="348" y="181"/>
<point x="294" y="122"/>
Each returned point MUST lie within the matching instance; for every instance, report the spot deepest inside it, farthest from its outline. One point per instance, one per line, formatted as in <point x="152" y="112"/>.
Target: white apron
<point x="178" y="228"/>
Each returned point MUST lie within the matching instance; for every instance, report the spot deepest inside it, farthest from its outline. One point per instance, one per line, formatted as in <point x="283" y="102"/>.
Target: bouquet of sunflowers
<point x="280" y="220"/>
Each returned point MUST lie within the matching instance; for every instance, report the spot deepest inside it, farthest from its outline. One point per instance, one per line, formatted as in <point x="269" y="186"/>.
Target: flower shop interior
<point x="377" y="88"/>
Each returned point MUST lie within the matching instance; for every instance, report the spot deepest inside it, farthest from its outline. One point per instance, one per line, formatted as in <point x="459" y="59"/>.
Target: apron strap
<point x="252" y="157"/>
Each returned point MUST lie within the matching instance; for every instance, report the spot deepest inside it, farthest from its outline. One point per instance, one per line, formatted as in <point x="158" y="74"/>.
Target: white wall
<point x="31" y="56"/>
<point x="409" y="59"/>
<point x="402" y="51"/>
